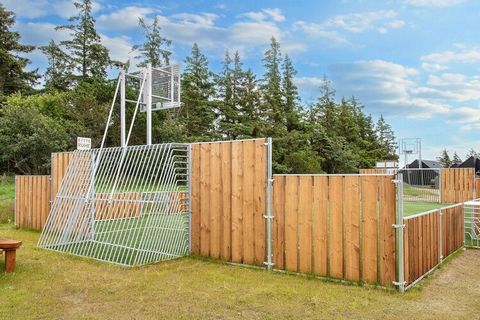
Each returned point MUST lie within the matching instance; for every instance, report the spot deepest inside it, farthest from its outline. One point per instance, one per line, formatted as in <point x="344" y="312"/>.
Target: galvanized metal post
<point x="269" y="215"/>
<point x="440" y="235"/>
<point x="149" y="104"/>
<point x="440" y="184"/>
<point x="122" y="107"/>
<point x="189" y="203"/>
<point x="399" y="227"/>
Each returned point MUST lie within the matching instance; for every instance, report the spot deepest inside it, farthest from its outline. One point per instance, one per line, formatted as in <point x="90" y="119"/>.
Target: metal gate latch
<point x="397" y="226"/>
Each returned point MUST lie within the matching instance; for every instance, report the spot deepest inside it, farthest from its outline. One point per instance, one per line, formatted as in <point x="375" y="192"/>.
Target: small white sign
<point x="84" y="143"/>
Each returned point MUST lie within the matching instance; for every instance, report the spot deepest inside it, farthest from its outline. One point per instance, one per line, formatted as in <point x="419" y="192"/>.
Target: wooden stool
<point x="10" y="247"/>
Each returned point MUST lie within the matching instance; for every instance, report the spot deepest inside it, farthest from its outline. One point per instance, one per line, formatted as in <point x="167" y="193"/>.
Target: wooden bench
<point x="10" y="247"/>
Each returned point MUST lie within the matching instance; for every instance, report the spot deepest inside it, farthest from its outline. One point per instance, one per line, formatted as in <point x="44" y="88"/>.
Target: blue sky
<point x="417" y="62"/>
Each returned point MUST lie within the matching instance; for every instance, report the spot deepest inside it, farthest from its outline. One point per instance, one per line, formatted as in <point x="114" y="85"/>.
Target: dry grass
<point x="49" y="285"/>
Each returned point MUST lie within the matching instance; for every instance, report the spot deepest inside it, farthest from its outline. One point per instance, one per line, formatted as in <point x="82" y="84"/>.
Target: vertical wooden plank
<point x="215" y="198"/>
<point x="279" y="222"/>
<point x="352" y="228"/>
<point x="369" y="196"/>
<point x="387" y="233"/>
<point x="259" y="187"/>
<point x="237" y="201"/>
<point x="195" y="201"/>
<point x="406" y="250"/>
<point x="291" y="232"/>
<point x="335" y="252"/>
<point x="305" y="200"/>
<point x="320" y="212"/>
<point x="205" y="199"/>
<point x="248" y="216"/>
<point x="226" y="200"/>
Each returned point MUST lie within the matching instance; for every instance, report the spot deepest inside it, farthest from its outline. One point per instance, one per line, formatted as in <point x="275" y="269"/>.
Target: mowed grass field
<point x="50" y="285"/>
<point x="414" y="207"/>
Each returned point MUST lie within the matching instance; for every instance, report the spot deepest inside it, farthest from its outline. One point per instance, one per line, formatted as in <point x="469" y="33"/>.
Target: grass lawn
<point x="414" y="207"/>
<point x="49" y="285"/>
<point x="7" y="198"/>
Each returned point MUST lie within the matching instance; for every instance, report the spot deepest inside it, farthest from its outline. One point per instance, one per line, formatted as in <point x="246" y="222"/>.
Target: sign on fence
<point x="84" y="143"/>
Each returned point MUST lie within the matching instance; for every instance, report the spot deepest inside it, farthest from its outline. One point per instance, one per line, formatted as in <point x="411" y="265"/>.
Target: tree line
<point x="329" y="135"/>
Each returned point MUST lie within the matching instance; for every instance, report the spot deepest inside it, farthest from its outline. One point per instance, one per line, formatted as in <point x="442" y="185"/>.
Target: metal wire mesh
<point x="421" y="185"/>
<point x="128" y="206"/>
<point x="472" y="223"/>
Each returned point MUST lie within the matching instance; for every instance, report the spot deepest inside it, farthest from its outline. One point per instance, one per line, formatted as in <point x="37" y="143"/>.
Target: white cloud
<point x="333" y="28"/>
<point x="27" y="8"/>
<point x="433" y="3"/>
<point x="467" y="117"/>
<point x="463" y="55"/>
<point x="123" y="19"/>
<point x="40" y="34"/>
<point x="120" y="47"/>
<point x="275" y="14"/>
<point x="433" y="67"/>
<point x="40" y="8"/>
<point x="385" y="87"/>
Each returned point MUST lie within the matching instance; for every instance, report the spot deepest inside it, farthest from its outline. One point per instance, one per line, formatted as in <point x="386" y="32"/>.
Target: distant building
<point x="427" y="164"/>
<point x="472" y="162"/>
<point x="425" y="175"/>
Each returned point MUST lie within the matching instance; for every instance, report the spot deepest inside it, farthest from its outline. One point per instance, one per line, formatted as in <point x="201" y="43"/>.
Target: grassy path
<point x="49" y="285"/>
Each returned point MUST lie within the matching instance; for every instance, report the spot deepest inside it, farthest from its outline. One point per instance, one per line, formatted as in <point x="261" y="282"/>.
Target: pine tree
<point x="87" y="56"/>
<point x="471" y="153"/>
<point x="271" y="89"/>
<point x="444" y="159"/>
<point x="387" y="139"/>
<point x="456" y="160"/>
<point x="13" y="76"/>
<point x="57" y="75"/>
<point x="290" y="95"/>
<point x="197" y="91"/>
<point x="152" y="50"/>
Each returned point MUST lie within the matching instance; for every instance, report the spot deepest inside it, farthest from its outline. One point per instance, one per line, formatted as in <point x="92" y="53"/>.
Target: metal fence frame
<point x="85" y="223"/>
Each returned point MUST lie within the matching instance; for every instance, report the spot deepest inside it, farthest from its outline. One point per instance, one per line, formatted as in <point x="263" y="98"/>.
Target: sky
<point x="416" y="62"/>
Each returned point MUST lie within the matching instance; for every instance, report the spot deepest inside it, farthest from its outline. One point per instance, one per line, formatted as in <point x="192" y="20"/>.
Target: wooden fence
<point x="477" y="188"/>
<point x="60" y="161"/>
<point x="337" y="226"/>
<point x="32" y="201"/>
<point x="228" y="200"/>
<point x="457" y="184"/>
<point x="430" y="237"/>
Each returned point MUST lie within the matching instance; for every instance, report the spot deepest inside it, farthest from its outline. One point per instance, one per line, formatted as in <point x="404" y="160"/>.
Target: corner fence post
<point x="440" y="235"/>
<point x="269" y="216"/>
<point x="399" y="230"/>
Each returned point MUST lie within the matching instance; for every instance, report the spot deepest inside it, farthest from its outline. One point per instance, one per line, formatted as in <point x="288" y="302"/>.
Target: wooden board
<point x="369" y="186"/>
<point x="32" y="201"/>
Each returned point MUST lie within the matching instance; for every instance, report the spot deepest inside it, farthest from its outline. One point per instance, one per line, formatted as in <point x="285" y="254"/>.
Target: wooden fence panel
<point x="477" y="188"/>
<point x="59" y="165"/>
<point x="422" y="239"/>
<point x="323" y="217"/>
<point x="228" y="200"/>
<point x="457" y="184"/>
<point x="32" y="201"/>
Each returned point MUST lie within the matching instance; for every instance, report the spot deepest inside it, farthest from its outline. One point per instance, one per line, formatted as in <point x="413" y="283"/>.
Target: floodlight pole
<point x="149" y="104"/>
<point x="122" y="107"/>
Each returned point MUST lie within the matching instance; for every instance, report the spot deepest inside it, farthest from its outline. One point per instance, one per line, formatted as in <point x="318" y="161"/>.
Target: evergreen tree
<point x="387" y="139"/>
<point x="58" y="73"/>
<point x="444" y="159"/>
<point x="13" y="76"/>
<point x="87" y="56"/>
<point x="152" y="50"/>
<point x="197" y="91"/>
<point x="456" y="160"/>
<point x="290" y="95"/>
<point x="271" y="89"/>
<point x="471" y="153"/>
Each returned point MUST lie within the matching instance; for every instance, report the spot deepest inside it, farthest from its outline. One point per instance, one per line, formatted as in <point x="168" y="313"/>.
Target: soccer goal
<point x="127" y="205"/>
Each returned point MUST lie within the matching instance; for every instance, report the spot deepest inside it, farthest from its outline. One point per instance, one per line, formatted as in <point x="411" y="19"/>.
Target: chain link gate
<point x="124" y="205"/>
